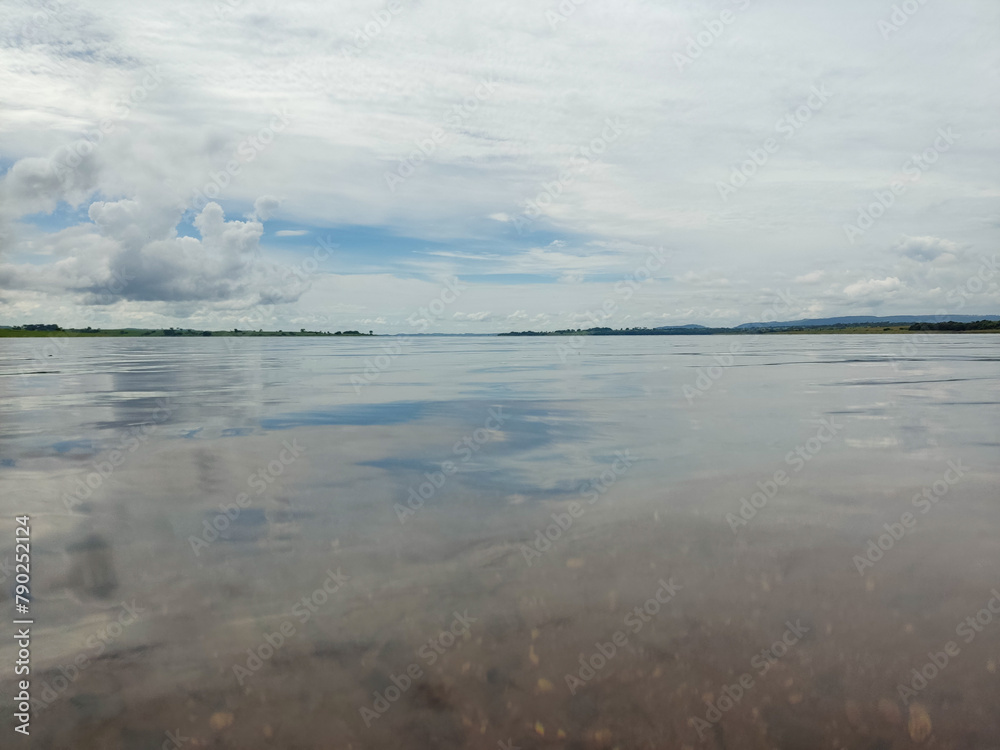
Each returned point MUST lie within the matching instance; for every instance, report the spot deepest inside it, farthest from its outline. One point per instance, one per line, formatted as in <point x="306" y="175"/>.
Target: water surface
<point x="443" y="542"/>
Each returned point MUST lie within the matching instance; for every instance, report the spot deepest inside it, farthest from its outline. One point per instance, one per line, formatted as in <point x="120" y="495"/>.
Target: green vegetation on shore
<point x="979" y="326"/>
<point x="50" y="329"/>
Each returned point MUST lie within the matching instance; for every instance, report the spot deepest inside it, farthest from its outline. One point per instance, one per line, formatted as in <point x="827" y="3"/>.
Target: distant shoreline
<point x="17" y="333"/>
<point x="982" y="326"/>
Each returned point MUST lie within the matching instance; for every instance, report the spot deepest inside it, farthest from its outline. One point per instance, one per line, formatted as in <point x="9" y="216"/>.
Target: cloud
<point x="476" y="316"/>
<point x="709" y="278"/>
<point x="927" y="249"/>
<point x="98" y="173"/>
<point x="264" y="207"/>
<point x="873" y="287"/>
<point x="37" y="185"/>
<point x="135" y="254"/>
<point x="810" y="278"/>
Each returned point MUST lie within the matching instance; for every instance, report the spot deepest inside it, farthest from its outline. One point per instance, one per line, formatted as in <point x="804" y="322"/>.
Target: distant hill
<point x="689" y="325"/>
<point x="861" y="319"/>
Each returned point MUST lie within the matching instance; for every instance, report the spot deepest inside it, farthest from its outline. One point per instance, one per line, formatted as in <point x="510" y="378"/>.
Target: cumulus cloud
<point x="265" y="207"/>
<point x="38" y="184"/>
<point x="133" y="223"/>
<point x="927" y="249"/>
<point x="137" y="255"/>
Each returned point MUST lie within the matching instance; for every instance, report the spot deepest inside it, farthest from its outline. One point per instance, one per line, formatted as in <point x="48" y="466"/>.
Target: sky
<point x="445" y="166"/>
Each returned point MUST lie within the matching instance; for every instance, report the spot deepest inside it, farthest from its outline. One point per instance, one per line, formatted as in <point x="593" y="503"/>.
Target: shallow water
<point x="366" y="543"/>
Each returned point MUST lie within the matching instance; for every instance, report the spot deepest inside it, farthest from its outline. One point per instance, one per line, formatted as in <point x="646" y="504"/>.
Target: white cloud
<point x="871" y="287"/>
<point x="136" y="255"/>
<point x="476" y="316"/>
<point x="810" y="278"/>
<point x="265" y="207"/>
<point x="927" y="249"/>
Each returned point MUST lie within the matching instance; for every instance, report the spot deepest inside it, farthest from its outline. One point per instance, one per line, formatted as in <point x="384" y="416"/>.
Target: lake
<point x="780" y="541"/>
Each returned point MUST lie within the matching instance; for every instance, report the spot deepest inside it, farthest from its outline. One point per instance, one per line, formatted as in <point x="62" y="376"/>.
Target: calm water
<point x="496" y="542"/>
